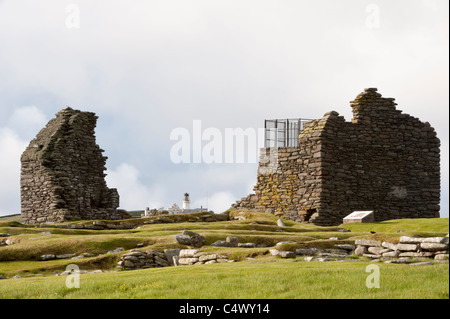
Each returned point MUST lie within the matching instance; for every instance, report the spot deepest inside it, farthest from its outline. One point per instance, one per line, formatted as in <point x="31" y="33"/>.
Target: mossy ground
<point x="256" y="274"/>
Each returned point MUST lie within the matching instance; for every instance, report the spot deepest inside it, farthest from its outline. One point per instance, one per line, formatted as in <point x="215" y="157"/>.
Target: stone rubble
<point x="190" y="238"/>
<point x="137" y="259"/>
<point x="408" y="247"/>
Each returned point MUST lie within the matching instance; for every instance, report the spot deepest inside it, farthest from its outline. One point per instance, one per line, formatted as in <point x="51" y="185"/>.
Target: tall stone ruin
<point x="62" y="173"/>
<point x="383" y="160"/>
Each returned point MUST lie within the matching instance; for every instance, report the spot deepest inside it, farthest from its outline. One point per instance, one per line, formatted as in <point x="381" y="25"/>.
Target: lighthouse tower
<point x="186" y="202"/>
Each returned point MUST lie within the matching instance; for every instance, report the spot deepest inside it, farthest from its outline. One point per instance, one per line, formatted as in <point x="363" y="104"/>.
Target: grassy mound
<point x="259" y="274"/>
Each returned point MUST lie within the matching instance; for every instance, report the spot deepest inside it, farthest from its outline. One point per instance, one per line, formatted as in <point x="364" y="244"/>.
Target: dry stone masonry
<point x="62" y="173"/>
<point x="407" y="248"/>
<point x="383" y="160"/>
<point x="138" y="259"/>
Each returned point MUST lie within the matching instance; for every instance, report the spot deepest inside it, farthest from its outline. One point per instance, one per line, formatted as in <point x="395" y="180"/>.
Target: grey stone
<point x="232" y="241"/>
<point x="47" y="257"/>
<point x="337" y="251"/>
<point x="397" y="261"/>
<point x="407" y="247"/>
<point x="286" y="254"/>
<point x="222" y="260"/>
<point x="170" y="253"/>
<point x="441" y="257"/>
<point x="117" y="250"/>
<point x="410" y="240"/>
<point x="100" y="223"/>
<point x="367" y="242"/>
<point x="433" y="246"/>
<point x="187" y="261"/>
<point x="197" y="240"/>
<point x="65" y="256"/>
<point x="389" y="245"/>
<point x="188" y="253"/>
<point x="347" y="247"/>
<point x="274" y="252"/>
<point x="207" y="257"/>
<point x="332" y="255"/>
<point x="183" y="239"/>
<point x="220" y="243"/>
<point x="361" y="250"/>
<point x="175" y="260"/>
<point x="281" y="223"/>
<point x="372" y="256"/>
<point x="283" y="242"/>
<point x="436" y="240"/>
<point x="308" y="251"/>
<point x="375" y="250"/>
<point x="410" y="254"/>
<point x="161" y="261"/>
<point x="392" y="254"/>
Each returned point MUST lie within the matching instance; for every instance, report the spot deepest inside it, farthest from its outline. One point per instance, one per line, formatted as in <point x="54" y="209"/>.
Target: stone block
<point x="433" y="246"/>
<point x="407" y="247"/>
<point x="188" y="253"/>
<point x="187" y="261"/>
<point x="367" y="242"/>
<point x="360" y="217"/>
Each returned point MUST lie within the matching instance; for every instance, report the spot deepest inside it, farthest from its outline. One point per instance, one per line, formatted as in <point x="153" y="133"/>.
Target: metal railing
<point x="283" y="132"/>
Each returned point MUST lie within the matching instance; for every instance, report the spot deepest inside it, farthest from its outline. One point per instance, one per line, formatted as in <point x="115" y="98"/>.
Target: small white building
<point x="174" y="209"/>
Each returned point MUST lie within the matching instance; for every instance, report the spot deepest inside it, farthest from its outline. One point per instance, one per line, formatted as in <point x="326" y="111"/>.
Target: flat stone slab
<point x="360" y="217"/>
<point x="368" y="242"/>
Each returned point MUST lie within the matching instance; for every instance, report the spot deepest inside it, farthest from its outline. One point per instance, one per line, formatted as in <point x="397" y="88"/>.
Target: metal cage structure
<point x="283" y="132"/>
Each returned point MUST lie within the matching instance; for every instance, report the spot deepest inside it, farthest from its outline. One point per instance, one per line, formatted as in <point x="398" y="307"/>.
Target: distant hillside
<point x="11" y="218"/>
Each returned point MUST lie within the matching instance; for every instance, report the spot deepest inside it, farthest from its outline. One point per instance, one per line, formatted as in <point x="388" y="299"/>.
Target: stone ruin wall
<point x="62" y="173"/>
<point x="383" y="160"/>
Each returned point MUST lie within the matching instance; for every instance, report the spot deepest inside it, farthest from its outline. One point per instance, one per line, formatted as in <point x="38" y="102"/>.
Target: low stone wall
<point x="195" y="257"/>
<point x="408" y="247"/>
<point x="138" y="259"/>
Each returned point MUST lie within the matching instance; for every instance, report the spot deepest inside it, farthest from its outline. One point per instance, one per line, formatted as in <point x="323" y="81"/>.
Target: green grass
<point x="277" y="280"/>
<point x="263" y="277"/>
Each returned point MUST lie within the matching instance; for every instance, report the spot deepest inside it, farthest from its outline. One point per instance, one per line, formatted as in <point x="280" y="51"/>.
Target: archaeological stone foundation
<point x="62" y="173"/>
<point x="383" y="160"/>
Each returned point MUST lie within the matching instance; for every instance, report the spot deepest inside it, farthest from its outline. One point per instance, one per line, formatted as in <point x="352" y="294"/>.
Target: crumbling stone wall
<point x="62" y="173"/>
<point x="383" y="160"/>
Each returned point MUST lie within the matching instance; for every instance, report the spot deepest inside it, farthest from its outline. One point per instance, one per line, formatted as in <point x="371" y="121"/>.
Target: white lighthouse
<point x="186" y="202"/>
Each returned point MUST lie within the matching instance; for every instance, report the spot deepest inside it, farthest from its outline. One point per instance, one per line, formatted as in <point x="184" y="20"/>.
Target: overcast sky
<point x="149" y="67"/>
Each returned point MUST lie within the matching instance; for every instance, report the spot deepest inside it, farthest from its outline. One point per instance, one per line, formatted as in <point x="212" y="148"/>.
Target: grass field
<point x="255" y="274"/>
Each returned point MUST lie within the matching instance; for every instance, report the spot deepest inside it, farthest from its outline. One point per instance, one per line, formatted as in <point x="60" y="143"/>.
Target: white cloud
<point x="27" y="121"/>
<point x="217" y="202"/>
<point x="156" y="65"/>
<point x="11" y="148"/>
<point x="134" y="195"/>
